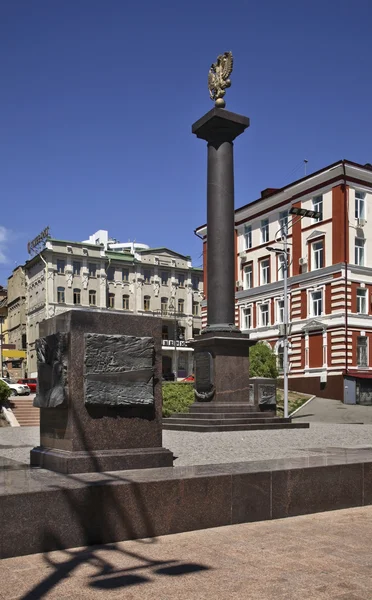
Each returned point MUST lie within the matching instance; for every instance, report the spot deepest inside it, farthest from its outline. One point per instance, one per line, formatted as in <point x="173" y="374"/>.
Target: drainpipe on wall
<point x="346" y="208"/>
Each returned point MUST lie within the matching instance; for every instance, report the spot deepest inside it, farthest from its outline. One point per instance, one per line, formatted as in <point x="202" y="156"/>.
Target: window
<point x="92" y="298"/>
<point x="125" y="302"/>
<point x="264" y="231"/>
<point x="265" y="271"/>
<point x="247" y="318"/>
<point x="359" y="251"/>
<point x="360" y="205"/>
<point x="195" y="332"/>
<point x="195" y="309"/>
<point x="318" y="255"/>
<point x="60" y="295"/>
<point x="164" y="277"/>
<point x="318" y="206"/>
<point x="76" y="267"/>
<point x="248" y="277"/>
<point x="181" y="334"/>
<point x="195" y="282"/>
<point x="164" y="305"/>
<point x="61" y="264"/>
<point x="110" y="274"/>
<point x="181" y="306"/>
<point x="248" y="237"/>
<point x="362" y="301"/>
<point x="77" y="296"/>
<point x="111" y="300"/>
<point x="281" y="266"/>
<point x="181" y="280"/>
<point x="283" y="222"/>
<point x="92" y="268"/>
<point x="146" y="275"/>
<point x="280" y="311"/>
<point x="362" y="351"/>
<point x="146" y="303"/>
<point x="264" y="311"/>
<point x="317" y="303"/>
<point x="125" y="274"/>
<point x="164" y="332"/>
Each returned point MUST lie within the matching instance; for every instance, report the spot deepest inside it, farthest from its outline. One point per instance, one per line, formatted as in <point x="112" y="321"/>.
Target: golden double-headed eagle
<point x="218" y="78"/>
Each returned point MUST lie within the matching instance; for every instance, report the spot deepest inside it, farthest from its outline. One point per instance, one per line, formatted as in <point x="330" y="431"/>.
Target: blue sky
<point x="98" y="98"/>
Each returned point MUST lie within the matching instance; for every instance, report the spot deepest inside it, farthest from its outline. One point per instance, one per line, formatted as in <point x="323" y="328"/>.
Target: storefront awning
<point x="13" y="353"/>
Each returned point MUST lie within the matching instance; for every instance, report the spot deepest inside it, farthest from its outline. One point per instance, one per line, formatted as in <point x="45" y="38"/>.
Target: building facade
<point x="330" y="279"/>
<point x="104" y="274"/>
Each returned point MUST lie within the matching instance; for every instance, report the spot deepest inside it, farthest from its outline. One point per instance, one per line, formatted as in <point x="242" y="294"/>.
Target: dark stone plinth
<point x="97" y="435"/>
<point x="53" y="511"/>
<point x="229" y="381"/>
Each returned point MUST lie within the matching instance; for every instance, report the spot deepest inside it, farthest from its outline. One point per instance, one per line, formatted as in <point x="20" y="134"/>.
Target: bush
<point x="262" y="361"/>
<point x="177" y="397"/>
<point x="5" y="392"/>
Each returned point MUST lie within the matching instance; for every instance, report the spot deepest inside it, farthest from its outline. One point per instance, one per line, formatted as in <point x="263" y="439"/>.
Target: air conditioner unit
<point x="302" y="261"/>
<point x="361" y="222"/>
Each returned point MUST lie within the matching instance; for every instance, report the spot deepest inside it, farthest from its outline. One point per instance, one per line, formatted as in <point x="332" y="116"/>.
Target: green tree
<point x="5" y="392"/>
<point x="262" y="361"/>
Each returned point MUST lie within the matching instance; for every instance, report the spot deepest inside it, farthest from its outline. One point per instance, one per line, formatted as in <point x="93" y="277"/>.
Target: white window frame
<point x="360" y="205"/>
<point x="317" y="253"/>
<point x="247" y="317"/>
<point x="262" y="313"/>
<point x="281" y="263"/>
<point x="247" y="237"/>
<point x="248" y="269"/>
<point x="318" y="200"/>
<point x="314" y="313"/>
<point x="283" y="221"/>
<point x="362" y="366"/>
<point x="264" y="271"/>
<point x="360" y="252"/>
<point x="264" y="228"/>
<point x="279" y="308"/>
<point x="362" y="299"/>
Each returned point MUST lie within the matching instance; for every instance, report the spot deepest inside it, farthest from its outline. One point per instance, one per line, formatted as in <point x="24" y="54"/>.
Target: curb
<point x="9" y="416"/>
<point x="302" y="406"/>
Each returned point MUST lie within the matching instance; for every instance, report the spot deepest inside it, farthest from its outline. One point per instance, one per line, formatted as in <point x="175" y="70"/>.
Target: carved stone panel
<point x="119" y="370"/>
<point x="204" y="382"/>
<point x="51" y="352"/>
<point x="266" y="393"/>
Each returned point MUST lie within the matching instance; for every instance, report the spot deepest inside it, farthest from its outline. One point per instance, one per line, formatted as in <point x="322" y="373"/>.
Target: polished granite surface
<point x="20" y="479"/>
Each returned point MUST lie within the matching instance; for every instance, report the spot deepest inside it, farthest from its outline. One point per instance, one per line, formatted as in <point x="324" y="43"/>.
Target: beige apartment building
<point x="104" y="274"/>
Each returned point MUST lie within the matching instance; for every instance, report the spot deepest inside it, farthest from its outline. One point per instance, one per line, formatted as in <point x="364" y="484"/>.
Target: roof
<point x="124" y="256"/>
<point x="275" y="191"/>
<point x="83" y="244"/>
<point x="163" y="249"/>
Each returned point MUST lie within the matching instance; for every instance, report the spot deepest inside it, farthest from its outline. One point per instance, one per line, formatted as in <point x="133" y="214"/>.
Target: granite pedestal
<point x="100" y="393"/>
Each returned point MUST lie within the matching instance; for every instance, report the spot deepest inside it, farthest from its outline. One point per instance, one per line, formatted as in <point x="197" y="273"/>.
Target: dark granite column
<point x="221" y="352"/>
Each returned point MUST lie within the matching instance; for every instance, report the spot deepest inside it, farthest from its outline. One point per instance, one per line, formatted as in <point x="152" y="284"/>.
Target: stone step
<point x="25" y="412"/>
<point x="226" y="415"/>
<point x="210" y="407"/>
<point x="230" y="421"/>
<point x="216" y="428"/>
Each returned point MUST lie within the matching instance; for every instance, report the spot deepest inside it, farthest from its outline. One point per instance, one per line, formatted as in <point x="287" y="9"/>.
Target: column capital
<point x="220" y="125"/>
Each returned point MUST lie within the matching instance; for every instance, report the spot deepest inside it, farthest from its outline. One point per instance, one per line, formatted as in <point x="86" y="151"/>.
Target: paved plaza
<point x="324" y="556"/>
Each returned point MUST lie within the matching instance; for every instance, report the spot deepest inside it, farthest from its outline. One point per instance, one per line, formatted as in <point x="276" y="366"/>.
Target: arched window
<point x="61" y="295"/>
<point x="111" y="300"/>
<point x="77" y="296"/>
<point x="181" y="306"/>
<point x="195" y="309"/>
<point x="92" y="298"/>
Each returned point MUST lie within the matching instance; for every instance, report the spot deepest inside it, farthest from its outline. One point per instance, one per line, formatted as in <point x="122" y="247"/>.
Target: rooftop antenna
<point x="305" y="165"/>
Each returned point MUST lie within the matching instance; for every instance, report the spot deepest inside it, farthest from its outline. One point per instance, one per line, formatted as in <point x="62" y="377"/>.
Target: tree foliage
<point x="262" y="361"/>
<point x="5" y="392"/>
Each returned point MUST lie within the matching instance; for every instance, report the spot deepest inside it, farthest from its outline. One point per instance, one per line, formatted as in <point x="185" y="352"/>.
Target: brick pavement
<point x="314" y="557"/>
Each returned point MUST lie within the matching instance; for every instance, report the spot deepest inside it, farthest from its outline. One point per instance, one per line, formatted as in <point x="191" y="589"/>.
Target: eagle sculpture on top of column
<point x="218" y="78"/>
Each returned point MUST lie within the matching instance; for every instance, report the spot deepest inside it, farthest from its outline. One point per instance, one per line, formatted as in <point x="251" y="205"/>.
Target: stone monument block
<point x="100" y="393"/>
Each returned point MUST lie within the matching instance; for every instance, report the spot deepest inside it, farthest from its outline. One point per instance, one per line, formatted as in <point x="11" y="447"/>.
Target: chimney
<point x="268" y="191"/>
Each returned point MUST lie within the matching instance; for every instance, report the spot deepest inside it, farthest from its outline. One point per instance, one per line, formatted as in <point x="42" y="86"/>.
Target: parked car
<point x="18" y="389"/>
<point x="32" y="383"/>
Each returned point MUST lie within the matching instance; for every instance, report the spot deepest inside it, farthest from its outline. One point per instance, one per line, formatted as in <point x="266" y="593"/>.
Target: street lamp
<point x="283" y="231"/>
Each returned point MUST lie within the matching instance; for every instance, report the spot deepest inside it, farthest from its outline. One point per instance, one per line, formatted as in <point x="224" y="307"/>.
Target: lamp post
<point x="283" y="232"/>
